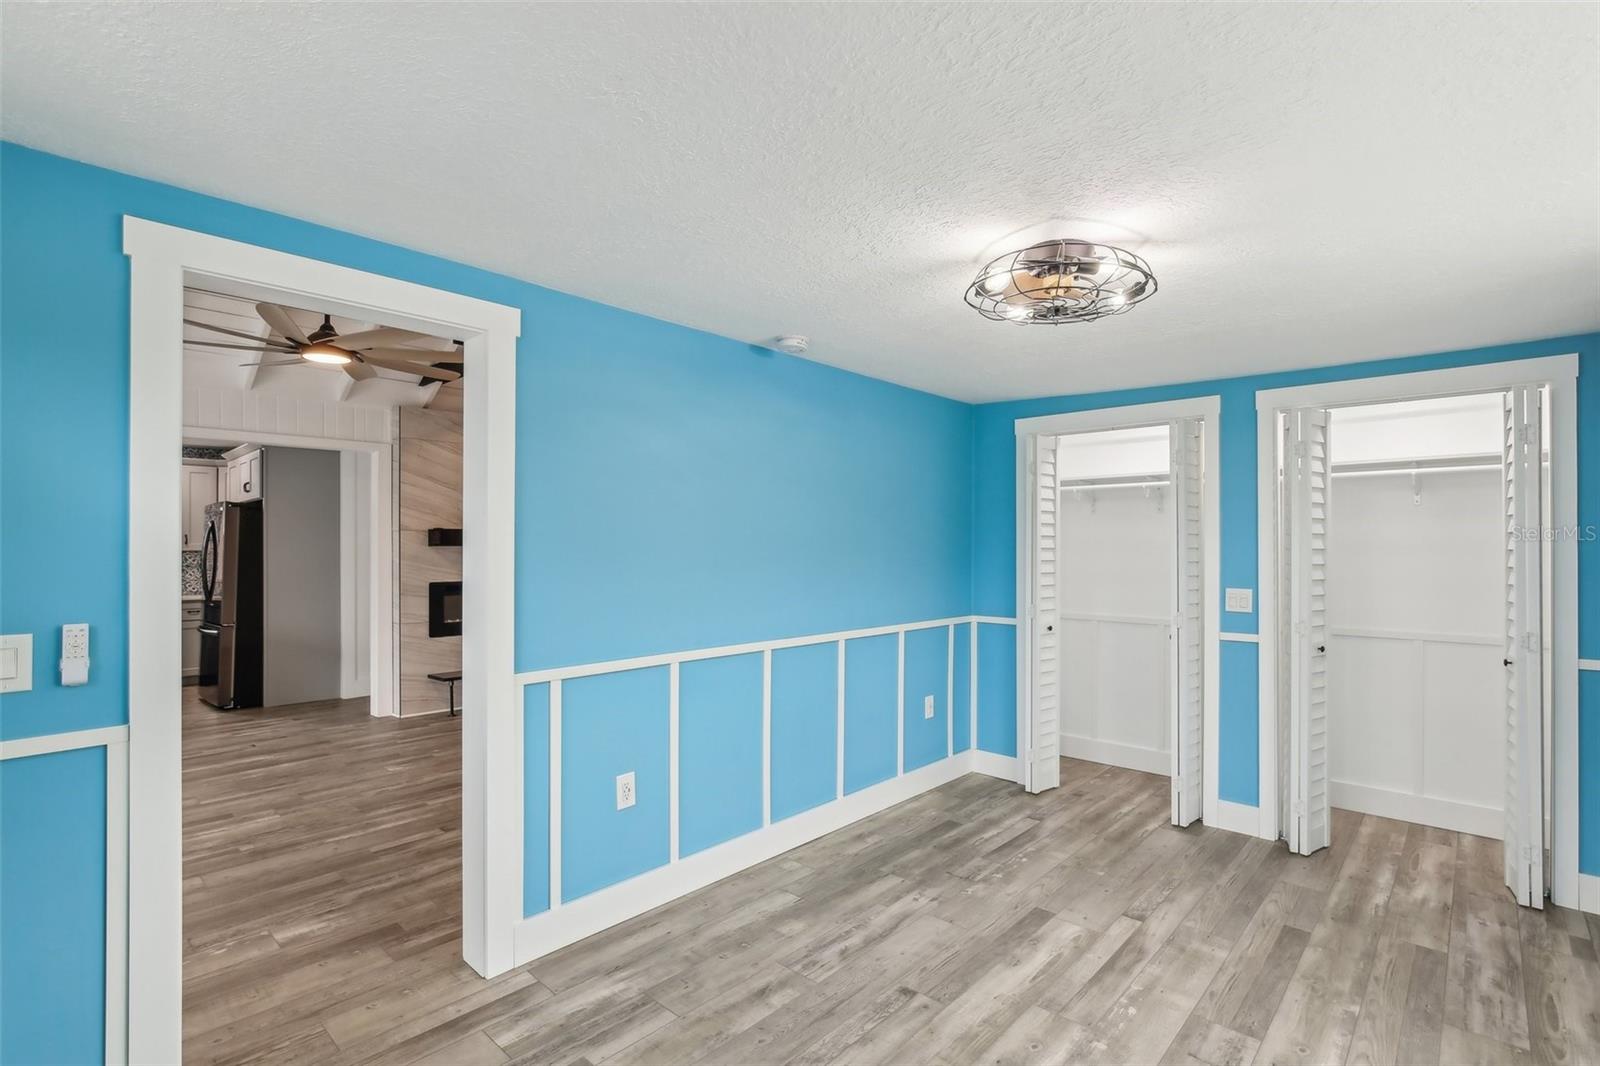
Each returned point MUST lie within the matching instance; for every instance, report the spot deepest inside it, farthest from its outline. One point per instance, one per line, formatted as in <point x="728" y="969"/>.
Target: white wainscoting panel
<point x="570" y="920"/>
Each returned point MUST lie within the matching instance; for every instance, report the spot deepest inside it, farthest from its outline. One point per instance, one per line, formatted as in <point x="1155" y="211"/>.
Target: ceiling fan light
<point x="1060" y="281"/>
<point x="326" y="354"/>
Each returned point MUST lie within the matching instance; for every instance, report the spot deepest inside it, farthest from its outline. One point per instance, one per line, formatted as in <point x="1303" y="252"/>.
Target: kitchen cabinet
<point x="199" y="490"/>
<point x="244" y="476"/>
<point x="192" y="611"/>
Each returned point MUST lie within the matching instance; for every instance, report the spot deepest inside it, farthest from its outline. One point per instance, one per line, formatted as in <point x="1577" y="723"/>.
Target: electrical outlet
<point x="1240" y="601"/>
<point x="927" y="706"/>
<point x="625" y="792"/>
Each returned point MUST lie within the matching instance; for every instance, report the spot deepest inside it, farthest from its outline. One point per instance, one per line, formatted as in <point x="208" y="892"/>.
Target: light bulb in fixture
<point x="326" y="354"/>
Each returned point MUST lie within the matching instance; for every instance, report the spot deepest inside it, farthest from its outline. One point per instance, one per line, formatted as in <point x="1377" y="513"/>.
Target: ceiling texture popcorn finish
<point x="1308" y="182"/>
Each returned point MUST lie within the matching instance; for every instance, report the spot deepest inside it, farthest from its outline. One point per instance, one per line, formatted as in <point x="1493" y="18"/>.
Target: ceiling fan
<point x="357" y="354"/>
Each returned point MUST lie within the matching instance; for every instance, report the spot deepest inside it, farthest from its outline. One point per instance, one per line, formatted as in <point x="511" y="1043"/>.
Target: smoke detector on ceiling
<point x="793" y="343"/>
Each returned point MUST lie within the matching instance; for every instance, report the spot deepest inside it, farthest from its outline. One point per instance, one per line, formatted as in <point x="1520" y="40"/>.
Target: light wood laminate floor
<point x="972" y="924"/>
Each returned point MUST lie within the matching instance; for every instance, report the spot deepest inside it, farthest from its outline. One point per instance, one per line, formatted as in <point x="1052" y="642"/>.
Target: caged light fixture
<point x="1061" y="281"/>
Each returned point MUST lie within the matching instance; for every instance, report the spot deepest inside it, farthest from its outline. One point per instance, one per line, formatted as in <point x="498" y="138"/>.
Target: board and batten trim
<point x="1240" y="638"/>
<point x="1589" y="893"/>
<point x="114" y="739"/>
<point x="565" y="921"/>
<point x="1589" y="664"/>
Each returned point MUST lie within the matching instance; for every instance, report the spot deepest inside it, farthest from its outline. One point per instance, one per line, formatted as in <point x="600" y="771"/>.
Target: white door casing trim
<point x="1209" y="410"/>
<point x="162" y="259"/>
<point x="1560" y="374"/>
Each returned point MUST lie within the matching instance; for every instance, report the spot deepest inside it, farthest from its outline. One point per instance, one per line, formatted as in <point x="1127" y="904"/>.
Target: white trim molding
<point x="1240" y="638"/>
<point x="1560" y="374"/>
<point x="1589" y="664"/>
<point x="566" y="921"/>
<point x="162" y="260"/>
<point x="1239" y="818"/>
<point x="1589" y="893"/>
<point x="115" y="740"/>
<point x="1209" y="410"/>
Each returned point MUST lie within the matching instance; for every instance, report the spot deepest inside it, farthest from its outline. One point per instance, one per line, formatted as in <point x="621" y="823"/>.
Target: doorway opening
<point x="1117" y="571"/>
<point x="1414" y="611"/>
<point x="485" y="839"/>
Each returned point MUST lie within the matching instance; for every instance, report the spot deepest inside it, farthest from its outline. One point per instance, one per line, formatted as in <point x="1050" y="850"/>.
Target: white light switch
<point x="927" y="706"/>
<point x="75" y="653"/>
<point x="625" y="794"/>
<point x="16" y="663"/>
<point x="1240" y="601"/>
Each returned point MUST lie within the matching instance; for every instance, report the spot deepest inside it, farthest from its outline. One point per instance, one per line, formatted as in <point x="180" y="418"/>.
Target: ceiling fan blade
<point x="281" y="321"/>
<point x="242" y="334"/>
<point x="373" y="338"/>
<point x="239" y="347"/>
<point x="358" y="370"/>
<point x="280" y="362"/>
<point x="406" y="361"/>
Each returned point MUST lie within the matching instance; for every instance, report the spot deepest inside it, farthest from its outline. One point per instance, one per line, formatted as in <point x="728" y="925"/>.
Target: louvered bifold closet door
<point x="1309" y="505"/>
<point x="1044" y="720"/>
<point x="1187" y="663"/>
<point x="1524" y="833"/>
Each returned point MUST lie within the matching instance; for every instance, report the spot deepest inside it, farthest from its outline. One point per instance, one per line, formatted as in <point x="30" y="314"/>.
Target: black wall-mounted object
<point x="440" y="537"/>
<point x="444" y="608"/>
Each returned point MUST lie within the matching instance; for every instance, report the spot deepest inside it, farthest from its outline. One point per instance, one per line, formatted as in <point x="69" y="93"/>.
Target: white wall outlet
<point x="16" y="663"/>
<point x="625" y="792"/>
<point x="75" y="653"/>
<point x="927" y="706"/>
<point x="1240" y="601"/>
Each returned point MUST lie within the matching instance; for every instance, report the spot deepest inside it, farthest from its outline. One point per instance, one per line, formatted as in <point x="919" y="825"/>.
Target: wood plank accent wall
<point x="429" y="481"/>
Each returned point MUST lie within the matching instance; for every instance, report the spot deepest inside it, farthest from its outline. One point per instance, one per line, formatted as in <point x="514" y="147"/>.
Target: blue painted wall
<point x="610" y="725"/>
<point x="871" y="689"/>
<point x="927" y="674"/>
<point x="719" y="751"/>
<point x="52" y="907"/>
<point x="536" y="798"/>
<point x="805" y="728"/>
<point x="961" y="735"/>
<point x="994" y="541"/>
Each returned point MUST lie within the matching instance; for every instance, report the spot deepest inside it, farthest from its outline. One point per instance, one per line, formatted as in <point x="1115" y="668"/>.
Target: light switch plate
<point x="625" y="791"/>
<point x="16" y="662"/>
<point x="927" y="706"/>
<point x="1240" y="601"/>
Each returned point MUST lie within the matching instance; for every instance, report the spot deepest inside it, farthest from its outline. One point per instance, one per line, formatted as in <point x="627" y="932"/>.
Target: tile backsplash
<point x="191" y="574"/>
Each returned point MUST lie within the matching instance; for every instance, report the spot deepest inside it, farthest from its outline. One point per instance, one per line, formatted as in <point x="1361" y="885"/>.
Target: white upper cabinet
<point x="199" y="489"/>
<point x="244" y="476"/>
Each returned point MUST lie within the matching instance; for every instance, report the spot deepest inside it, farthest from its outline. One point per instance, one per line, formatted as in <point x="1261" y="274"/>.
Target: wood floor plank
<point x="971" y="924"/>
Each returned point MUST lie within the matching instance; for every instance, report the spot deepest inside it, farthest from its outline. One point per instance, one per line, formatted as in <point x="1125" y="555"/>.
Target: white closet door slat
<point x="1524" y="808"/>
<point x="1308" y="504"/>
<point x="1186" y="661"/>
<point x="1044" y="727"/>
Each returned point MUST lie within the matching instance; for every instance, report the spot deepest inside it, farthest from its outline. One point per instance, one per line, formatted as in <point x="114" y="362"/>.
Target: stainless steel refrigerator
<point x="231" y="625"/>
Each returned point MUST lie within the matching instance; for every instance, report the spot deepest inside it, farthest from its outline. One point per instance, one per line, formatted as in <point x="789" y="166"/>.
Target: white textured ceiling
<point x="1311" y="184"/>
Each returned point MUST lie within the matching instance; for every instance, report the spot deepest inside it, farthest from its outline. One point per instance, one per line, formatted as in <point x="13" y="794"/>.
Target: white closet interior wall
<point x="1115" y="566"/>
<point x="1416" y="611"/>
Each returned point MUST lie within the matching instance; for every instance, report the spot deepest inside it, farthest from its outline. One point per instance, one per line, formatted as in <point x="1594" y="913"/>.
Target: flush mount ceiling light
<point x="1061" y="281"/>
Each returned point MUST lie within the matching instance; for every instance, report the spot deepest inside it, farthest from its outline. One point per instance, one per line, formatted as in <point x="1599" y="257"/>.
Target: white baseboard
<point x="1127" y="756"/>
<point x="1005" y="767"/>
<point x="1589" y="893"/>
<point x="1423" y="810"/>
<point x="568" y="923"/>
<point x="1238" y="818"/>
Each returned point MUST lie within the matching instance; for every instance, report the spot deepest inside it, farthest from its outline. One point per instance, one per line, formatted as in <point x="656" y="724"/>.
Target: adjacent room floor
<point x="971" y="924"/>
